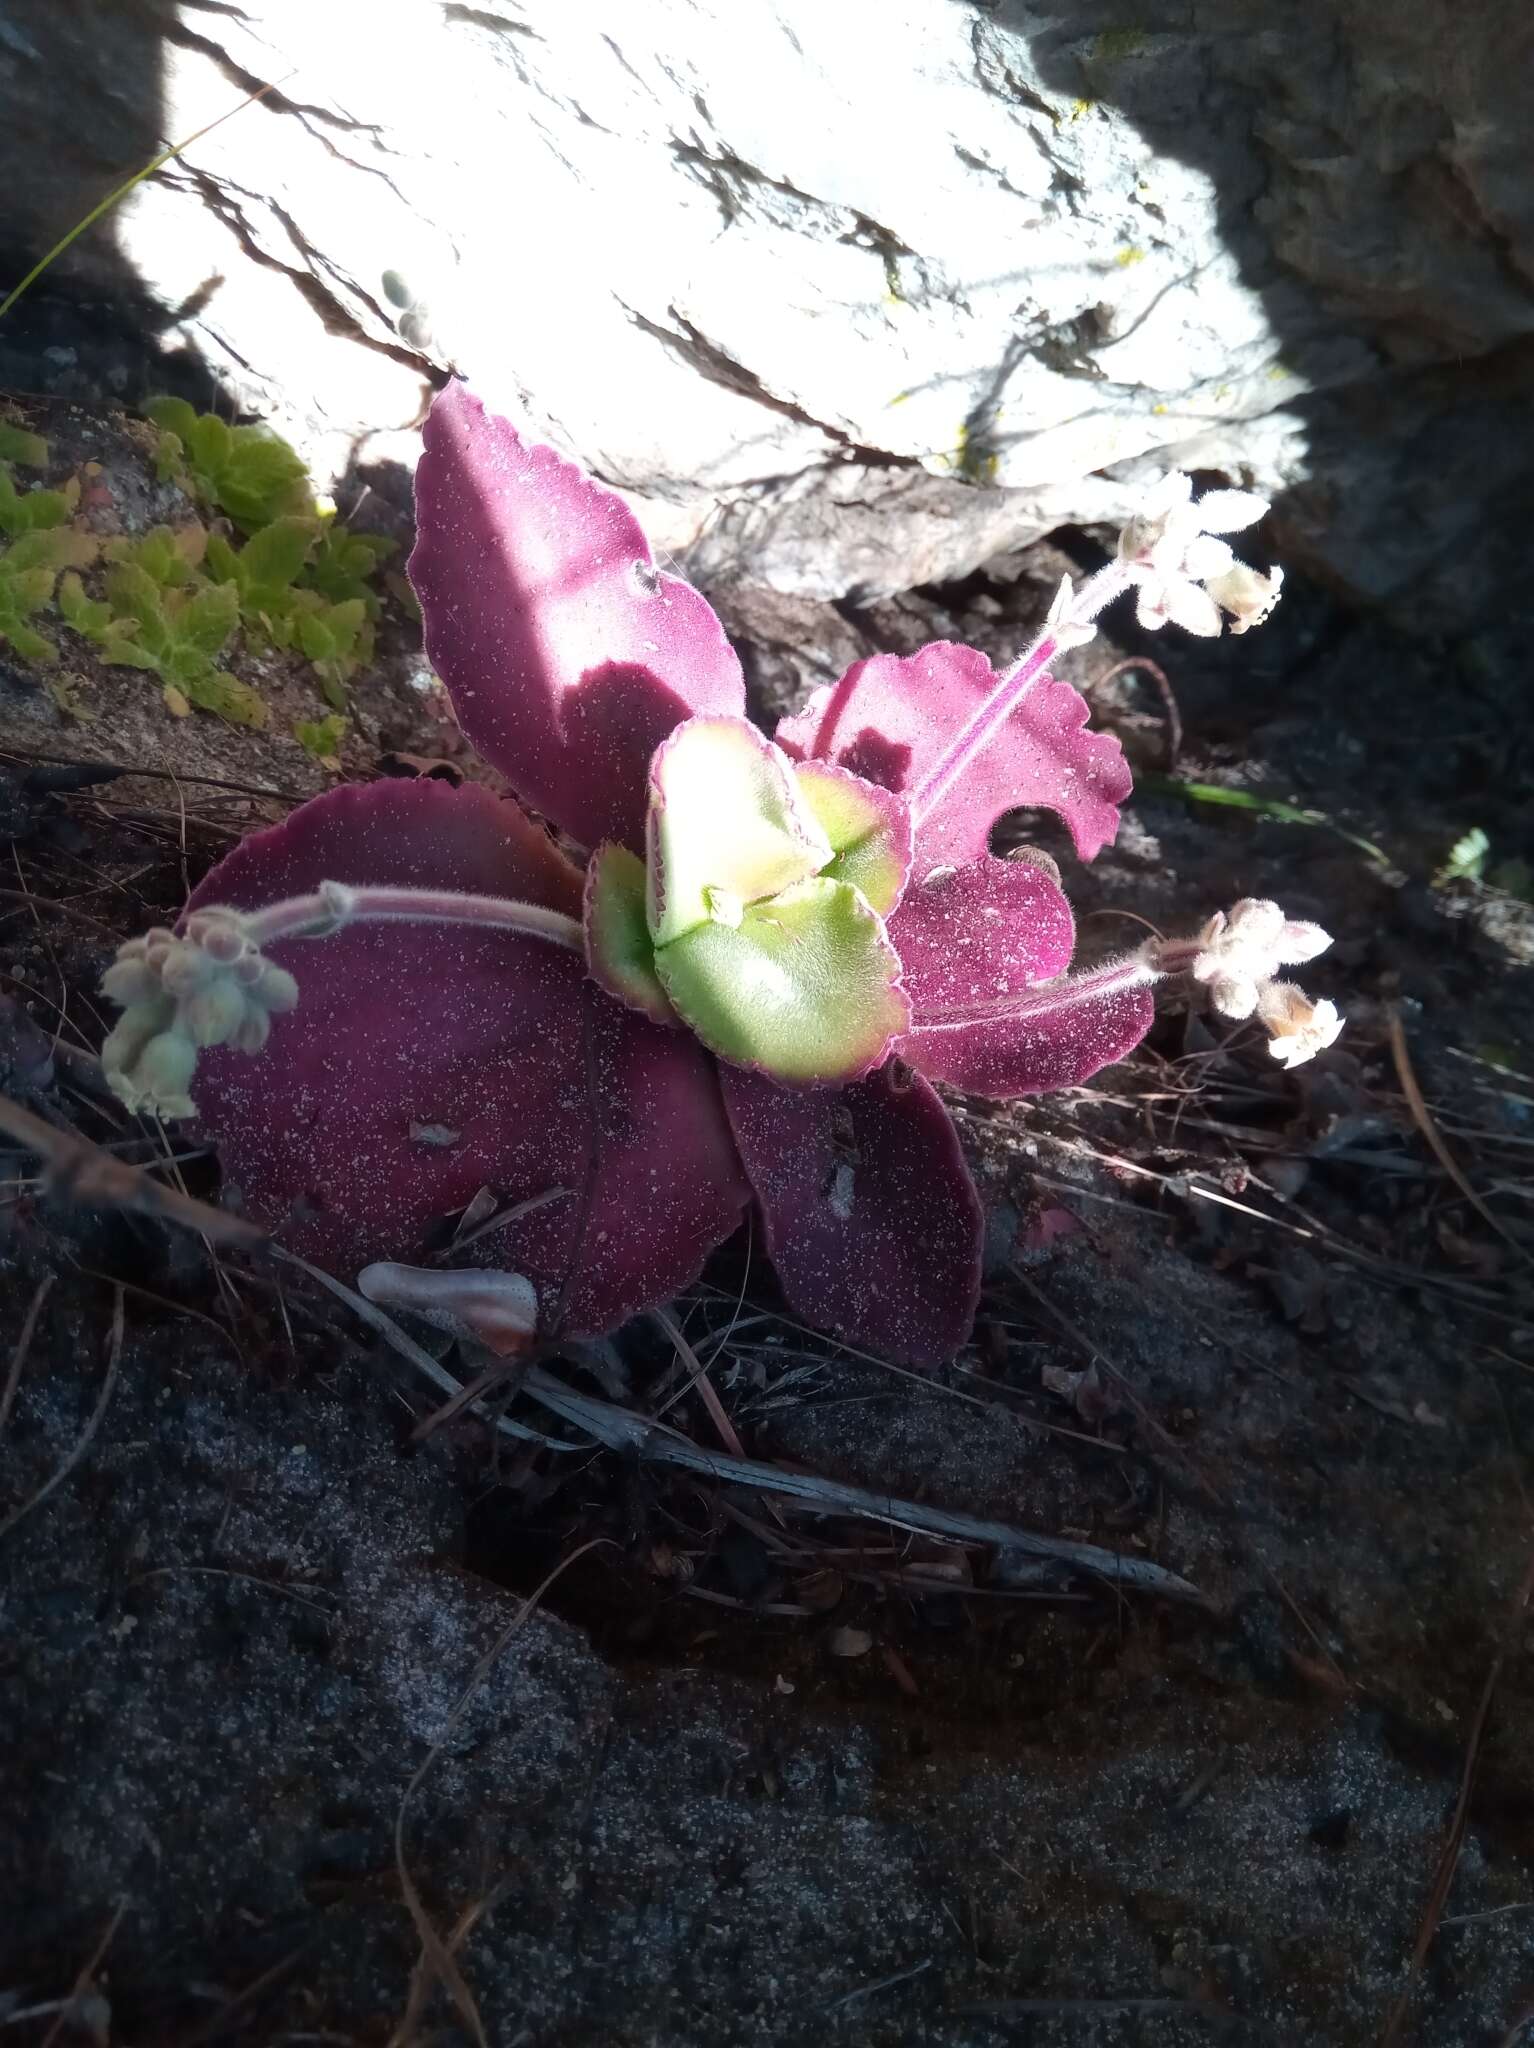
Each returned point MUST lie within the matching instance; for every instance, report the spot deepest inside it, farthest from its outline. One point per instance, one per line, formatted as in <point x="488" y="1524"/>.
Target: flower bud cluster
<point x="1185" y="574"/>
<point x="207" y="985"/>
<point x="1237" y="957"/>
<point x="1240" y="951"/>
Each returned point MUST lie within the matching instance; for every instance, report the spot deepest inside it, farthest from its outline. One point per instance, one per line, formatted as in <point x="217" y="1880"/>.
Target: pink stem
<point x="1137" y="971"/>
<point x="1010" y="690"/>
<point x="336" y="904"/>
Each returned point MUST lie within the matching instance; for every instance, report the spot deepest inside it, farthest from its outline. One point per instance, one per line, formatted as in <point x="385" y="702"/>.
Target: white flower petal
<point x="1229" y="511"/>
<point x="1298" y="942"/>
<point x="1256" y="919"/>
<point x="1205" y="557"/>
<point x="1246" y="594"/>
<point x="1190" y="606"/>
<point x="1150" y="606"/>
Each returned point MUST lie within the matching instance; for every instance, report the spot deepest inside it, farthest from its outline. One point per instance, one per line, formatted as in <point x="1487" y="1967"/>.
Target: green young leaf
<point x="167" y="555"/>
<point x="32" y="511"/>
<point x="262" y="479"/>
<point x="344" y="564"/>
<point x="87" y="615"/>
<point x="120" y="647"/>
<point x="172" y="416"/>
<point x="24" y="589"/>
<point x="169" y="458"/>
<point x="806" y="987"/>
<point x="345" y="622"/>
<point x="209" y="619"/>
<point x="227" y="697"/>
<point x="619" y="954"/>
<point x="223" y="564"/>
<point x="29" y="644"/>
<point x="869" y="829"/>
<point x="17" y="445"/>
<point x="314" y="637"/>
<point x="727" y="826"/>
<point x="208" y="444"/>
<point x="271" y="560"/>
<point x="321" y="737"/>
<point x="135" y="598"/>
<point x="1467" y="857"/>
<point x="58" y="547"/>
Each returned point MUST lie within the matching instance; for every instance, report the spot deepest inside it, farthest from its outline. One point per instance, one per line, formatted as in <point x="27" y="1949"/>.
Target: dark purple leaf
<point x="424" y="1063"/>
<point x="1050" y="1038"/>
<point x="567" y="655"/>
<point x="972" y="936"/>
<point x="890" y="719"/>
<point x="872" y="1221"/>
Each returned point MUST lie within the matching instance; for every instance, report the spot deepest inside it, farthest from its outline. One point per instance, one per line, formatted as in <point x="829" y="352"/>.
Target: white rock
<point x="851" y="295"/>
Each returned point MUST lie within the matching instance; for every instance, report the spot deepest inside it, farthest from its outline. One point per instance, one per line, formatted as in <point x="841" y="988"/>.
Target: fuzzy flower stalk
<point x="408" y="1002"/>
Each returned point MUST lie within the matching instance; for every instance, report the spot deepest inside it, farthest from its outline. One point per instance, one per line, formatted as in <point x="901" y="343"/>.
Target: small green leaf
<point x="228" y="698"/>
<point x="344" y="563"/>
<point x="172" y="416"/>
<point x="32" y="511"/>
<point x="315" y="638"/>
<point x="119" y="649"/>
<point x="210" y="618"/>
<point x="30" y="645"/>
<point x="345" y="622"/>
<point x="619" y="954"/>
<point x="208" y="443"/>
<point x="169" y="458"/>
<point x="805" y="988"/>
<point x="17" y="445"/>
<point x="134" y="595"/>
<point x="1467" y="857"/>
<point x="726" y="820"/>
<point x="262" y="479"/>
<point x="223" y="563"/>
<point x="55" y="548"/>
<point x="332" y="686"/>
<point x="27" y="590"/>
<point x="85" y="614"/>
<point x="321" y="737"/>
<point x="273" y="557"/>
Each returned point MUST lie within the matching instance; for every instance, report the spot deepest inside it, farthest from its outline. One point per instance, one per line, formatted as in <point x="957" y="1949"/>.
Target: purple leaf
<point x="872" y="1221"/>
<point x="891" y="718"/>
<point x="567" y="655"/>
<point x="424" y="1063"/>
<point x="1052" y="1037"/>
<point x="971" y="937"/>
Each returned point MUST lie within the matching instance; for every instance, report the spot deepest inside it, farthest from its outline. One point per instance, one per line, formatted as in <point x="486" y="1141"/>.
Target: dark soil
<point x="751" y="1775"/>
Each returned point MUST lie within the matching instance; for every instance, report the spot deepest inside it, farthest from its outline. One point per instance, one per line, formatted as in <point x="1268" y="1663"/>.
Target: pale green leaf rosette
<point x="726" y="822"/>
<point x="763" y="937"/>
<point x="804" y="988"/>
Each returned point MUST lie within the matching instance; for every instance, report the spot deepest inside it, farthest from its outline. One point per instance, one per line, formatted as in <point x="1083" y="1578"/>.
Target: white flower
<point x="1066" y="631"/>
<point x="1300" y="1027"/>
<point x="1239" y="952"/>
<point x="1246" y="594"/>
<point x="1170" y="552"/>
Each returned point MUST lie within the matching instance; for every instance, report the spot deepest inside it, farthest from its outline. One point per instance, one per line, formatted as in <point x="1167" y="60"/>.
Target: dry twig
<point x="83" y="1172"/>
